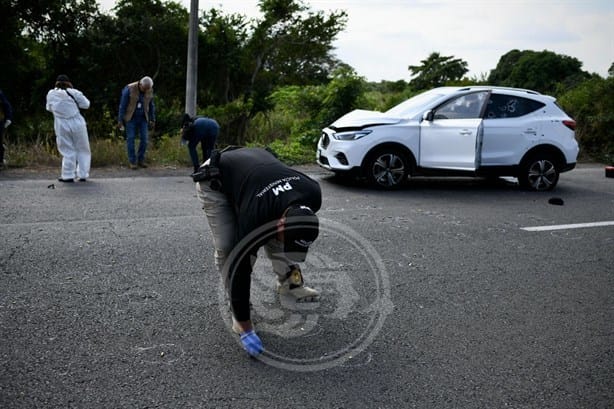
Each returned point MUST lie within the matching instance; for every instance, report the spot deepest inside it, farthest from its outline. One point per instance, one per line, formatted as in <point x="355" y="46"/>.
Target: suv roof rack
<point x="528" y="91"/>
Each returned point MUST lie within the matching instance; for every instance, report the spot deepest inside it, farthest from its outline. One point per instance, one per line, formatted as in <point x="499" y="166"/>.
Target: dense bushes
<point x="590" y="103"/>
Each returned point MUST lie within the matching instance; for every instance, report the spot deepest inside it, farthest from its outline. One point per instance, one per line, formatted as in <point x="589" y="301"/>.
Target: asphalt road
<point x="435" y="296"/>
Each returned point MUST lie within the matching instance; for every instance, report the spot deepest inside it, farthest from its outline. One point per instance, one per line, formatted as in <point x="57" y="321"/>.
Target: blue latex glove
<point x="252" y="343"/>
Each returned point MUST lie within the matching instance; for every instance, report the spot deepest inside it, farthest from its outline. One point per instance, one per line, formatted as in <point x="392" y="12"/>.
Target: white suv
<point x="467" y="131"/>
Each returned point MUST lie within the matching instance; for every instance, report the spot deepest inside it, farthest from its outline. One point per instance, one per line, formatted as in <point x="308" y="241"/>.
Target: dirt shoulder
<point x="42" y="172"/>
<point x="102" y="172"/>
<point x="117" y="172"/>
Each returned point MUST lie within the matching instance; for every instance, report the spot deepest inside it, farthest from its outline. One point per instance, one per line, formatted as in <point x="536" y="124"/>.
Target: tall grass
<point x="40" y="152"/>
<point x="164" y="149"/>
<point x="161" y="151"/>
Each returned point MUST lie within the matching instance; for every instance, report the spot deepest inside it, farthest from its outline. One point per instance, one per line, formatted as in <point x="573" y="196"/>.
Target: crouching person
<point x="253" y="200"/>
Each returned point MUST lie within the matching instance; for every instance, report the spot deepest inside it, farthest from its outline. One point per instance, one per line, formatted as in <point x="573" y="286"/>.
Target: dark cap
<point x="186" y="120"/>
<point x="300" y="230"/>
<point x="62" y="78"/>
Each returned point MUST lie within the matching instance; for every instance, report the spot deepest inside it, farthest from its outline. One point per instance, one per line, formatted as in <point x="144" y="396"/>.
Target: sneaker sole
<point x="310" y="297"/>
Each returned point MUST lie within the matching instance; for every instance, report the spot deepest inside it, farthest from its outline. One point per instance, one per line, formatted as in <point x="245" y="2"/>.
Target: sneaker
<point x="142" y="164"/>
<point x="82" y="180"/>
<point x="66" y="180"/>
<point x="295" y="286"/>
<point x="133" y="166"/>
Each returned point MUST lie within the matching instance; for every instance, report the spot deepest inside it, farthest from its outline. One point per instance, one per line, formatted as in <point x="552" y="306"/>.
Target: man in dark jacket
<point x="253" y="200"/>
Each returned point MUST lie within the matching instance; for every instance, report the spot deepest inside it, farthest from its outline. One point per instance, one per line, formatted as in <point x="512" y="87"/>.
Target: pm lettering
<point x="282" y="188"/>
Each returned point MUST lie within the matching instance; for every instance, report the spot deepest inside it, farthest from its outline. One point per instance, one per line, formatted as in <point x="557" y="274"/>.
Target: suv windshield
<point x="415" y="104"/>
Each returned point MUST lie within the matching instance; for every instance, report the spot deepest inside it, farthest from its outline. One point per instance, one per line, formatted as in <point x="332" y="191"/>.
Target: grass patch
<point x="162" y="151"/>
<point x="38" y="153"/>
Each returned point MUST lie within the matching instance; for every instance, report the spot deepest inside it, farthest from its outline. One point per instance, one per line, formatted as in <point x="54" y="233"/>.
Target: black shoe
<point x="82" y="180"/>
<point x="141" y="165"/>
<point x="66" y="180"/>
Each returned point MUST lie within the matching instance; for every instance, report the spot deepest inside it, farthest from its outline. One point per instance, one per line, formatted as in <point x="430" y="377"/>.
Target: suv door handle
<point x="465" y="132"/>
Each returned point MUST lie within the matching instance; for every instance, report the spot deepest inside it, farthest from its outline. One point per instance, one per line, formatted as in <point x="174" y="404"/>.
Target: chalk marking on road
<point x="568" y="226"/>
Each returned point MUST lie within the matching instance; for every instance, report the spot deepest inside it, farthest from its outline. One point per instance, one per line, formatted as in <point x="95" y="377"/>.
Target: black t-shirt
<point x="260" y="188"/>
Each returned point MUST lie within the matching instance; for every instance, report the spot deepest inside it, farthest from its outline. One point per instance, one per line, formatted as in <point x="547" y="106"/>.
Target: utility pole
<point x="192" y="66"/>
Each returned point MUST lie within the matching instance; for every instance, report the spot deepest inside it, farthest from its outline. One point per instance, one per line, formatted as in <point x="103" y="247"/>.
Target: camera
<point x="206" y="173"/>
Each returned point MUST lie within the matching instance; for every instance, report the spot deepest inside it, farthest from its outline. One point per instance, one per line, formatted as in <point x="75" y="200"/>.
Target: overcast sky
<point x="382" y="38"/>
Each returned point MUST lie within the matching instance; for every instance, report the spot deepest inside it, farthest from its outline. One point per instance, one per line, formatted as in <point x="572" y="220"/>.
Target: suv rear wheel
<point x="538" y="173"/>
<point x="386" y="168"/>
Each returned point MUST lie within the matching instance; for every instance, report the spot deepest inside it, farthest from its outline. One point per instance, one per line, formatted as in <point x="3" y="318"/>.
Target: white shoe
<point x="295" y="286"/>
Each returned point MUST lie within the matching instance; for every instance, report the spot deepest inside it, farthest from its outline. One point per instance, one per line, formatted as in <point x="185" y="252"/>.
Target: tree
<point x="504" y="68"/>
<point x="288" y="45"/>
<point x="541" y="71"/>
<point x="19" y="61"/>
<point x="221" y="49"/>
<point x="437" y="71"/>
<point x="42" y="40"/>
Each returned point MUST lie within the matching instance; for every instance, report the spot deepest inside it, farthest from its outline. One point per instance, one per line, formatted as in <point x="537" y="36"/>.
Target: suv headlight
<point x="350" y="135"/>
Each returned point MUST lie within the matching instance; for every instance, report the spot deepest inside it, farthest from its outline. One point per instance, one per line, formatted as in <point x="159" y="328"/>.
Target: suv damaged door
<point x="512" y="126"/>
<point x="450" y="134"/>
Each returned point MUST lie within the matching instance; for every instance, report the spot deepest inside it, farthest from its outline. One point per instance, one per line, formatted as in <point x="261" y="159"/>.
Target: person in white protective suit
<point x="64" y="101"/>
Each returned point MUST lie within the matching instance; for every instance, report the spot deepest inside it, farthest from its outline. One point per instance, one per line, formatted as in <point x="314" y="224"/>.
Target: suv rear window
<point x="510" y="106"/>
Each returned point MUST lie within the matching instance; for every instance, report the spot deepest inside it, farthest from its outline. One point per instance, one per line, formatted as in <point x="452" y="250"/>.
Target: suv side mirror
<point x="428" y="116"/>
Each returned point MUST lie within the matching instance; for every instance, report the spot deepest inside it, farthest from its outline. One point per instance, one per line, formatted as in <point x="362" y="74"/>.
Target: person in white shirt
<point x="64" y="101"/>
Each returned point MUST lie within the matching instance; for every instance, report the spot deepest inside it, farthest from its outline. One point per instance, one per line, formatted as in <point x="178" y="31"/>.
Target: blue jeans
<point x="132" y="127"/>
<point x="207" y="146"/>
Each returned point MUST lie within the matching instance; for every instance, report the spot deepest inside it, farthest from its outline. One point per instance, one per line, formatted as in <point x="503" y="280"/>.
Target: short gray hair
<point x="146" y="82"/>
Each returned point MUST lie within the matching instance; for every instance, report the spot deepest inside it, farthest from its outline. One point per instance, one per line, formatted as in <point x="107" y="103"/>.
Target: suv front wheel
<point x="386" y="168"/>
<point x="538" y="173"/>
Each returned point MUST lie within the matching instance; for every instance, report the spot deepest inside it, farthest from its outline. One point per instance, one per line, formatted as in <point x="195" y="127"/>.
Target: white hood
<point x="360" y="118"/>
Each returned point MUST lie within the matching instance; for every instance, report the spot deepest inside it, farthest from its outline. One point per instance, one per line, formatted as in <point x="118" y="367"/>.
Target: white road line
<point x="568" y="226"/>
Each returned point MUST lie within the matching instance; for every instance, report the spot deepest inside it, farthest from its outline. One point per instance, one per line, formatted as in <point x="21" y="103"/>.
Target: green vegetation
<point x="271" y="81"/>
<point x="590" y="103"/>
<point x="437" y="71"/>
